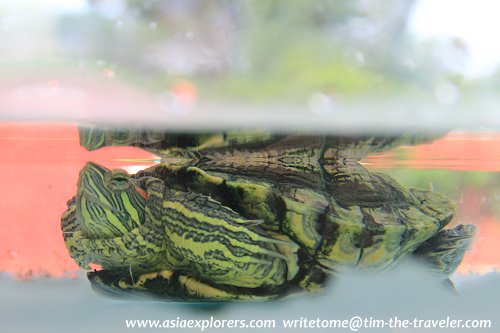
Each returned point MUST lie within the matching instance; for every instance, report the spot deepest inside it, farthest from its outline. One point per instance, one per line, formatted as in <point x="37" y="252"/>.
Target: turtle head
<point x="93" y="138"/>
<point x="108" y="204"/>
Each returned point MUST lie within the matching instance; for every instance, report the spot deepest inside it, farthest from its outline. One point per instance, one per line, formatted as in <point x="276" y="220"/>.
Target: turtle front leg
<point x="140" y="247"/>
<point x="166" y="285"/>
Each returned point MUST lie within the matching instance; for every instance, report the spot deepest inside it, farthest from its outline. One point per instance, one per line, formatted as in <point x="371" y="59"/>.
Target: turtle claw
<point x="251" y="223"/>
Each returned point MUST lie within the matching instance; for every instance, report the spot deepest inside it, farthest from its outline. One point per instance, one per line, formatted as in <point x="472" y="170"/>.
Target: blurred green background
<point x="242" y="49"/>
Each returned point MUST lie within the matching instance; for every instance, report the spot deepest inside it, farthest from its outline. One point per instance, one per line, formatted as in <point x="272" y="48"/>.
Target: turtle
<point x="215" y="227"/>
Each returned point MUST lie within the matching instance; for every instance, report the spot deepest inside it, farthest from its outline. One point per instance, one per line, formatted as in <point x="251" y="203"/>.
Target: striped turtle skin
<point x="211" y="230"/>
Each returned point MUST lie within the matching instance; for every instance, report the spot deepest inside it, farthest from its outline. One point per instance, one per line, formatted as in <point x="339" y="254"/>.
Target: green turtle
<point x="223" y="226"/>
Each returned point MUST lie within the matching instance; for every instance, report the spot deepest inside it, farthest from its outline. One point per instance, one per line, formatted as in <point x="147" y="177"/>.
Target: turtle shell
<point x="362" y="220"/>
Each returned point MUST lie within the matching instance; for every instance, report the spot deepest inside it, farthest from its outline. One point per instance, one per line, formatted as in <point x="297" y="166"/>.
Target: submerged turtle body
<point x="213" y="229"/>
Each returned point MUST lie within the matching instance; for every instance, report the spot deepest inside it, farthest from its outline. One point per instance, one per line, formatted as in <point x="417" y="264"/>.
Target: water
<point x="40" y="168"/>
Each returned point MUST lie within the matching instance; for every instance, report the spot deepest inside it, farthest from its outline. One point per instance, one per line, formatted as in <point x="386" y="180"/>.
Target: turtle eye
<point x="120" y="181"/>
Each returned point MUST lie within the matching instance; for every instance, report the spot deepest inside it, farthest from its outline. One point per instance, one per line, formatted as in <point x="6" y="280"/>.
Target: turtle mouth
<point x="92" y="169"/>
<point x="91" y="172"/>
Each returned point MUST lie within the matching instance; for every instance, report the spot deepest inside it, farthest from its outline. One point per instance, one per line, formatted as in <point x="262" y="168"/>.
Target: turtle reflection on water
<point x="250" y="217"/>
